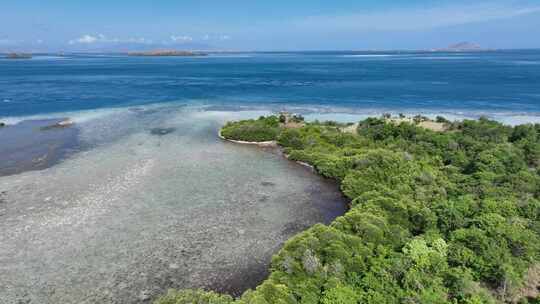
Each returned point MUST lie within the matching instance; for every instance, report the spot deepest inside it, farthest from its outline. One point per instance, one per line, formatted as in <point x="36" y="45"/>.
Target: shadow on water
<point x="35" y="145"/>
<point x="326" y="202"/>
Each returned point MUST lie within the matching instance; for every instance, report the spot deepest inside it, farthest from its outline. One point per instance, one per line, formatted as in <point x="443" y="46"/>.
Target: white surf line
<point x="271" y="143"/>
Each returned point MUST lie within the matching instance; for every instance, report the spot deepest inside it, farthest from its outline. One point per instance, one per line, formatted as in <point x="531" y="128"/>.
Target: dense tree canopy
<point x="255" y="130"/>
<point x="436" y="217"/>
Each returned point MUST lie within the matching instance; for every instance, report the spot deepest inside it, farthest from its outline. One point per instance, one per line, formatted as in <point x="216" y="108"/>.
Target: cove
<point x="136" y="213"/>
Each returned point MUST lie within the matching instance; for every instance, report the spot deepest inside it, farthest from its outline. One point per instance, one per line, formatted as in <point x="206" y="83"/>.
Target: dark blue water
<point x="504" y="81"/>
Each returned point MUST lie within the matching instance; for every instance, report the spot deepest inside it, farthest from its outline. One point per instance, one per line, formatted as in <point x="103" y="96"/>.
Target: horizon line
<point x="280" y="51"/>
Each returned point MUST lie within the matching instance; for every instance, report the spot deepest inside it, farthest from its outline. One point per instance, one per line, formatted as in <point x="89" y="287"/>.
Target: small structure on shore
<point x="290" y="120"/>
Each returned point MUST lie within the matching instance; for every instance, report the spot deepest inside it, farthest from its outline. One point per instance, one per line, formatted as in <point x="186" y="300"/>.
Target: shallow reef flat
<point x="136" y="212"/>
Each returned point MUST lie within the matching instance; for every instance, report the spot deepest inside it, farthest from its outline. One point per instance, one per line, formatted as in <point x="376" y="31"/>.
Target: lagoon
<point x="133" y="213"/>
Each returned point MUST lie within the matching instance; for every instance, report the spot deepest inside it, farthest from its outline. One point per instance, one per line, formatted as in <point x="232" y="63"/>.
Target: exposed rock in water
<point x="162" y="131"/>
<point x="2" y="124"/>
<point x="65" y="123"/>
<point x="61" y="124"/>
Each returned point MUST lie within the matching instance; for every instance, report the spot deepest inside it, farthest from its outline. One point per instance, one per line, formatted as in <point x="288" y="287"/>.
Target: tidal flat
<point x="136" y="212"/>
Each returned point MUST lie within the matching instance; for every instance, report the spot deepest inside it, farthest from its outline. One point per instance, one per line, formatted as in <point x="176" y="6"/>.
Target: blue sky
<point x="267" y="25"/>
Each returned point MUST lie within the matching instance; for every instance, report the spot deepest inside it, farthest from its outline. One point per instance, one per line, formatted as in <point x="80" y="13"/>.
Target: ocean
<point x="499" y="84"/>
<point x="140" y="194"/>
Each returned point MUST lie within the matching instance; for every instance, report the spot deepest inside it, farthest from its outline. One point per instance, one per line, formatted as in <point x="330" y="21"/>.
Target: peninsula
<point x="437" y="216"/>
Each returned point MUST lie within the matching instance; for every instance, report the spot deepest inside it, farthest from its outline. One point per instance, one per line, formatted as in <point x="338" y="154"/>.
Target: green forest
<point x="435" y="217"/>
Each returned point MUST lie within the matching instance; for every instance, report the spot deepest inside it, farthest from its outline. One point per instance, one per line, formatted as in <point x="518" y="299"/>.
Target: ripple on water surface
<point x="143" y="211"/>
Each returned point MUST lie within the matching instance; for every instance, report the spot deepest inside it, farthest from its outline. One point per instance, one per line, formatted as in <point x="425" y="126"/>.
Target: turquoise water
<point x="110" y="211"/>
<point x="491" y="83"/>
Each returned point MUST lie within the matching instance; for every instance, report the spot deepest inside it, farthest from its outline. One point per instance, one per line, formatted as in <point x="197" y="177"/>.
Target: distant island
<point x="171" y="53"/>
<point x="463" y="47"/>
<point x="18" y="56"/>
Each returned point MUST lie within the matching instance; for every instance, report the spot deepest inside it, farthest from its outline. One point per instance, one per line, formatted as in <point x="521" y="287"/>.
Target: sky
<point x="64" y="25"/>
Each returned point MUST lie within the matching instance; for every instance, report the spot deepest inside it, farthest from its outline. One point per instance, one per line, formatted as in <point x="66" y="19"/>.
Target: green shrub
<point x="262" y="129"/>
<point x="194" y="297"/>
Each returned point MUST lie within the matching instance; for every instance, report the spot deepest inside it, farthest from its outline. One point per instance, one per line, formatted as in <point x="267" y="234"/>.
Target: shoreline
<point x="266" y="144"/>
<point x="240" y="285"/>
<point x="419" y="176"/>
<point x="272" y="143"/>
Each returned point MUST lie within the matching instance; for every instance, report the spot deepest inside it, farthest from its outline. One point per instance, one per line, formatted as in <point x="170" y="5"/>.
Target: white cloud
<point x="86" y="39"/>
<point x="181" y="38"/>
<point x="100" y="38"/>
<point x="415" y="18"/>
<point x="137" y="40"/>
<point x="215" y="37"/>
